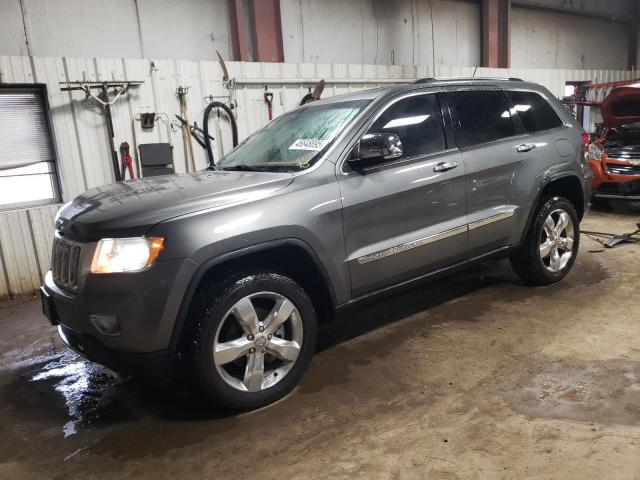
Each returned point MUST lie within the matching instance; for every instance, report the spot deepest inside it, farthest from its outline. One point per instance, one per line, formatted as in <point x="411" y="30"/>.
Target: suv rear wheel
<point x="551" y="245"/>
<point x="254" y="338"/>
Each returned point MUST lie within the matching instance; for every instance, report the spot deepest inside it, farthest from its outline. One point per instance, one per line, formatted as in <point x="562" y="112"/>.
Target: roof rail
<point x="466" y="79"/>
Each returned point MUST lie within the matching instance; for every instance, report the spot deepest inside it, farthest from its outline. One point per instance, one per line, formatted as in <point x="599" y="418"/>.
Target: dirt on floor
<point x="475" y="376"/>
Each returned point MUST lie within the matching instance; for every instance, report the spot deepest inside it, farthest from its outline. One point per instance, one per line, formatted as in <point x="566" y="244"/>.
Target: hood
<point x="621" y="106"/>
<point x="130" y="208"/>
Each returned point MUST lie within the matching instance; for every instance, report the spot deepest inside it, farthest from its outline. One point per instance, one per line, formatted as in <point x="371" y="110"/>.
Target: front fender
<point x="202" y="269"/>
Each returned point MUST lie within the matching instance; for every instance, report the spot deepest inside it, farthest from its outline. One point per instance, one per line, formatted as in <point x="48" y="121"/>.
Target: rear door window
<point x="418" y="123"/>
<point x="481" y="116"/>
<point x="534" y="111"/>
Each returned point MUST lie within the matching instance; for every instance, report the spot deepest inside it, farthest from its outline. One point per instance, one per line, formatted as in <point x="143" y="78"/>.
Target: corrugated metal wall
<point x="81" y="139"/>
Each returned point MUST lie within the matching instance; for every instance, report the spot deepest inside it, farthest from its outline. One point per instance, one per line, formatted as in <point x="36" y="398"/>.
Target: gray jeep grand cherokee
<point x="230" y="270"/>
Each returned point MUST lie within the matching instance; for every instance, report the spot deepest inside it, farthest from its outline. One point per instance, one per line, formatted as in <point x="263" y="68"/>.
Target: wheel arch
<point x="567" y="185"/>
<point x="290" y="256"/>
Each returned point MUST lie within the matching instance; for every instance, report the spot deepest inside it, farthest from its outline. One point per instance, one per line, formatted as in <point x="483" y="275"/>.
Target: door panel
<point x="402" y="221"/>
<point x="495" y="203"/>
<point x="408" y="217"/>
<point x="495" y="155"/>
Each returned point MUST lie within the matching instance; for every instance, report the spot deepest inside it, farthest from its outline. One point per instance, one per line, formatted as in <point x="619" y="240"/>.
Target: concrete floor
<point x="473" y="377"/>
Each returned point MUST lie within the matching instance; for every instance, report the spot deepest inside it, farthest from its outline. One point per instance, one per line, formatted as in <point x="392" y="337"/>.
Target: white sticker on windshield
<point x="314" y="144"/>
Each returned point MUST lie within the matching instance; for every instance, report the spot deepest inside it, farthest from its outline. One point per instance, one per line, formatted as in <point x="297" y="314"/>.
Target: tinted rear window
<point x="482" y="116"/>
<point x="534" y="111"/>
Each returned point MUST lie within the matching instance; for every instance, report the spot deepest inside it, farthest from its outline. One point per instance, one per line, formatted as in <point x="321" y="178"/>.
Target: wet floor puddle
<point x="78" y="398"/>
<point x="599" y="391"/>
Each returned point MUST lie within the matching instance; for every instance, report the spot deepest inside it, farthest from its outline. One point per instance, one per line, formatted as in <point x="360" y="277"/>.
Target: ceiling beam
<point x="239" y="30"/>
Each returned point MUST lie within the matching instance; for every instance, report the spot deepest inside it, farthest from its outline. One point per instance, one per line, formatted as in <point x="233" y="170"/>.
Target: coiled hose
<point x="205" y="128"/>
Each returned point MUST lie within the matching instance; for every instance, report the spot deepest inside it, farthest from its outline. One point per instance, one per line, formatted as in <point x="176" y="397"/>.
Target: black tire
<point x="527" y="261"/>
<point x="212" y="304"/>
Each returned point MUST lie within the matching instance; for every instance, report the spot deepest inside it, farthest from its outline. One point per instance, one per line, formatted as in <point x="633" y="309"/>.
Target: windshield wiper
<point x="275" y="167"/>
<point x="241" y="168"/>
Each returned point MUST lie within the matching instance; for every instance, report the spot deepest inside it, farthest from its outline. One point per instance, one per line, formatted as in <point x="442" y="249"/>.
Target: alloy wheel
<point x="556" y="240"/>
<point x="258" y="341"/>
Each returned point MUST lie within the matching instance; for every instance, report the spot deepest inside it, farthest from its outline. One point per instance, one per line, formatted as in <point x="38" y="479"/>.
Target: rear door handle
<point x="444" y="166"/>
<point x="525" y="147"/>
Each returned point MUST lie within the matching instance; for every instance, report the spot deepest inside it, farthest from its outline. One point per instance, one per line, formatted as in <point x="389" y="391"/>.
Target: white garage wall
<point x="403" y="32"/>
<point x="188" y="29"/>
<point x="541" y="39"/>
<point x="80" y="134"/>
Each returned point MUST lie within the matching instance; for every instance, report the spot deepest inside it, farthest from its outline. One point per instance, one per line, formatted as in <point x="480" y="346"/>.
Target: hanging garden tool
<point x="119" y="88"/>
<point x="315" y="95"/>
<point x="181" y="93"/>
<point x="268" y="99"/>
<point x="127" y="162"/>
<point x="196" y="132"/>
<point x="202" y="135"/>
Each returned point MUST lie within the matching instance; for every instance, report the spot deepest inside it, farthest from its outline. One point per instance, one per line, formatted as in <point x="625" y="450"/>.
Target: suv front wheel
<point x="254" y="337"/>
<point x="551" y="244"/>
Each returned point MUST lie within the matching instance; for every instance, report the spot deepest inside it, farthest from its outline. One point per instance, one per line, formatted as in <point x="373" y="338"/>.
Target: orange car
<point x="614" y="158"/>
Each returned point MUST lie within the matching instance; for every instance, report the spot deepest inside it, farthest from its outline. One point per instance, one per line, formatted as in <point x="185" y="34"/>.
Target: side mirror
<point x="377" y="146"/>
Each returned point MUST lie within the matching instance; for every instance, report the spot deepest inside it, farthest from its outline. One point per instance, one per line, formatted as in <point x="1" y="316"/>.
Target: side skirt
<point x="395" y="289"/>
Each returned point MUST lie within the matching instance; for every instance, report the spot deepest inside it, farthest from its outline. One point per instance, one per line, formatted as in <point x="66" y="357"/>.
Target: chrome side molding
<point x="403" y="247"/>
<point x="413" y="244"/>
<point x="493" y="218"/>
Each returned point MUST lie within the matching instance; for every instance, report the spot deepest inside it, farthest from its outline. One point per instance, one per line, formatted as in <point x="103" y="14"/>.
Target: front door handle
<point x="525" y="147"/>
<point x="444" y="166"/>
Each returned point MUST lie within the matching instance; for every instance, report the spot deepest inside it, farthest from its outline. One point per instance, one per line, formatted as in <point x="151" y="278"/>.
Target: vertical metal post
<point x="267" y="31"/>
<point x="239" y="32"/>
<point x="496" y="33"/>
<point x="256" y="30"/>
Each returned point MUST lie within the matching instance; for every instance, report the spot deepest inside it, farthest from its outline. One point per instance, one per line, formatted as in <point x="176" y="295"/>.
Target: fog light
<point x="106" y="324"/>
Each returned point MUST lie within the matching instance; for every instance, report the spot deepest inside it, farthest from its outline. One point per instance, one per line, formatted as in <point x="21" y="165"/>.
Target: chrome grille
<point x="621" y="169"/>
<point x="65" y="260"/>
<point x="623" y="155"/>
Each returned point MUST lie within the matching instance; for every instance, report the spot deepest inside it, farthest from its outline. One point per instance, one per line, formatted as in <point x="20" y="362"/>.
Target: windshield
<point x="293" y="141"/>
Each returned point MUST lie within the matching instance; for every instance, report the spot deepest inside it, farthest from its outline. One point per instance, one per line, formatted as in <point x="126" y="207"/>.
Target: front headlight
<point x="117" y="255"/>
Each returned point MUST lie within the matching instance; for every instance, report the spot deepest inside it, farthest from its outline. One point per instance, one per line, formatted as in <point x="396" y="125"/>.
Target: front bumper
<point x="607" y="184"/>
<point x="156" y="366"/>
<point x="145" y="305"/>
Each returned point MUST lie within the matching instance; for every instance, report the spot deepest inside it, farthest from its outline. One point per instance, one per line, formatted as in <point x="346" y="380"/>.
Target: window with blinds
<point x="27" y="160"/>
